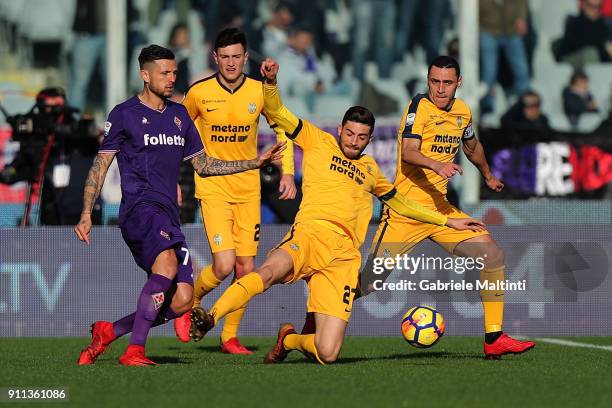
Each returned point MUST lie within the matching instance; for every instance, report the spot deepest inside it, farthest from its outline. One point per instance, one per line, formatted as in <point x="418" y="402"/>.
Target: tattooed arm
<point x="207" y="166"/>
<point x="93" y="186"/>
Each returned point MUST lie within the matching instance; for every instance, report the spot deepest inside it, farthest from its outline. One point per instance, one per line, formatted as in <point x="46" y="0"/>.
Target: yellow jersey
<point x="228" y="123"/>
<point x="441" y="133"/>
<point x="337" y="189"/>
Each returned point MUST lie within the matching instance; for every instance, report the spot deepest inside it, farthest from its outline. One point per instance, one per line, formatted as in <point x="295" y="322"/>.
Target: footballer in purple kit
<point x="151" y="136"/>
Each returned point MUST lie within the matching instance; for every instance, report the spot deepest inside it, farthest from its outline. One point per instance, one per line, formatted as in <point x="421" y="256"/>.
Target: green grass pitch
<point x="371" y="372"/>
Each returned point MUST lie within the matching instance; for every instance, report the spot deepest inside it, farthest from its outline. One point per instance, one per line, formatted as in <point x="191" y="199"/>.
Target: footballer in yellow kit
<point x="433" y="128"/>
<point x="323" y="244"/>
<point x="226" y="108"/>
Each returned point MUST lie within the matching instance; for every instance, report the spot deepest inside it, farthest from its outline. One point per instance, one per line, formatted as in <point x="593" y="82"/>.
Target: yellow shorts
<point x="398" y="235"/>
<point x="327" y="259"/>
<point x="232" y="226"/>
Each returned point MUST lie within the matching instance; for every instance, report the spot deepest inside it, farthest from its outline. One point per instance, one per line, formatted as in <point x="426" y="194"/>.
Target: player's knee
<point x="244" y="266"/>
<point x="222" y="269"/>
<point x="494" y="256"/>
<point x="327" y="352"/>
<point x="166" y="264"/>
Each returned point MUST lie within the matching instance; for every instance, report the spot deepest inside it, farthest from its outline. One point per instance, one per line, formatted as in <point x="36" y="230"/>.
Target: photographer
<point x="56" y="150"/>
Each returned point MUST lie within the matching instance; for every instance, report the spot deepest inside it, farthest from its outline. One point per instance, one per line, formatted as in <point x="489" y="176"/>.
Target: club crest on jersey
<point x="158" y="300"/>
<point x="177" y="122"/>
<point x="459" y="122"/>
<point x="164" y="234"/>
<point x="218" y="239"/>
<point x="252" y="107"/>
<point x="107" y="127"/>
<point x="145" y="121"/>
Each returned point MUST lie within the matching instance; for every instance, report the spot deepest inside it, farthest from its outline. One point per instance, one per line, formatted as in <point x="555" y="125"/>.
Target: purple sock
<point x="150" y="301"/>
<point x="124" y="325"/>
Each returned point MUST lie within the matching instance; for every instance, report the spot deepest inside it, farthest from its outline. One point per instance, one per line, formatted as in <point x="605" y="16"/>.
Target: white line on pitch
<point x="573" y="343"/>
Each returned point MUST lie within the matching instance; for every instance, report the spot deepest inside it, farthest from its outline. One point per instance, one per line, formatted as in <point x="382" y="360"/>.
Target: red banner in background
<point x="9" y="194"/>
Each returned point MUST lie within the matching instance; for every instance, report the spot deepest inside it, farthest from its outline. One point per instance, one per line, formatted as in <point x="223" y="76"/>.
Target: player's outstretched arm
<point x="93" y="186"/>
<point x="400" y="204"/>
<point x="475" y="153"/>
<point x="411" y="154"/>
<point x="273" y="104"/>
<point x="207" y="166"/>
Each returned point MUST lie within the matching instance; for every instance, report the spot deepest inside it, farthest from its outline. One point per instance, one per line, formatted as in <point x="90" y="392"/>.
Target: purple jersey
<point x="150" y="147"/>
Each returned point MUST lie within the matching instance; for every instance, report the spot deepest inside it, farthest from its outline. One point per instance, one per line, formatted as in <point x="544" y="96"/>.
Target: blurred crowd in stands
<point x="327" y="44"/>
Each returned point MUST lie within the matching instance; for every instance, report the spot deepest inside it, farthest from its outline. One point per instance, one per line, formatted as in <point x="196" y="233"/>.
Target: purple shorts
<point x="148" y="231"/>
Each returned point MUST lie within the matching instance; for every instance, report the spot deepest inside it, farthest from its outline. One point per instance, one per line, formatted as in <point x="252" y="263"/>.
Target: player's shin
<point x="232" y="324"/>
<point x="304" y="343"/>
<point x="493" y="302"/>
<point x="205" y="282"/>
<point x="150" y="301"/>
<point x="237" y="295"/>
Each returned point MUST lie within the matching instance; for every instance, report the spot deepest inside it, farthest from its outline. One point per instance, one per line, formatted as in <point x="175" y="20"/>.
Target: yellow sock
<point x="237" y="295"/>
<point x="206" y="282"/>
<point x="304" y="343"/>
<point x="231" y="324"/>
<point x="493" y="300"/>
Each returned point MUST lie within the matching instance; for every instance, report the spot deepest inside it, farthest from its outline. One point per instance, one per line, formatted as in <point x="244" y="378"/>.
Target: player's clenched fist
<point x="269" y="69"/>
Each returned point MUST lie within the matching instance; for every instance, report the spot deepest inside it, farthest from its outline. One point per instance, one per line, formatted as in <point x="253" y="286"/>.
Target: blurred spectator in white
<point x="305" y="76"/>
<point x="88" y="50"/>
<point x="577" y="99"/>
<point x="43" y="28"/>
<point x="587" y="37"/>
<point x="338" y="26"/>
<point x="374" y="22"/>
<point x="526" y="113"/>
<point x="503" y="23"/>
<point x="275" y="32"/>
<point x="432" y="14"/>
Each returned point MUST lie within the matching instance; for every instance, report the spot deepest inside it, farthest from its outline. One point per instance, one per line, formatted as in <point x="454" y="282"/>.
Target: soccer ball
<point x="422" y="326"/>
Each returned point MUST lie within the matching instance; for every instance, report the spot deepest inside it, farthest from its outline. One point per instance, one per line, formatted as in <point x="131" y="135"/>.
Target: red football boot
<point x="102" y="335"/>
<point x="279" y="352"/>
<point x="506" y="345"/>
<point x="134" y="356"/>
<point x="233" y="346"/>
<point x="182" y="325"/>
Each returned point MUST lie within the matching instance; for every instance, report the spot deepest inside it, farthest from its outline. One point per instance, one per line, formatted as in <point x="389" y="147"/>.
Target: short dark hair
<point x="578" y="75"/>
<point x="359" y="114"/>
<point x="230" y="36"/>
<point x="444" y="61"/>
<point x="152" y="53"/>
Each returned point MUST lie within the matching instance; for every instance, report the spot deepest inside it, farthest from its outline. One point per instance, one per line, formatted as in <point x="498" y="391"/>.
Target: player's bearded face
<point x="160" y="76"/>
<point x="354" y="138"/>
<point x="443" y="84"/>
<point x="231" y="60"/>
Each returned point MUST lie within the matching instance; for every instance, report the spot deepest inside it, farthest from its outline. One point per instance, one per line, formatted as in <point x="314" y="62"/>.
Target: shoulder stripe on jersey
<point x="191" y="156"/>
<point x="296" y="132"/>
<point x="389" y="195"/>
<point x="411" y="116"/>
<point x="208" y="78"/>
